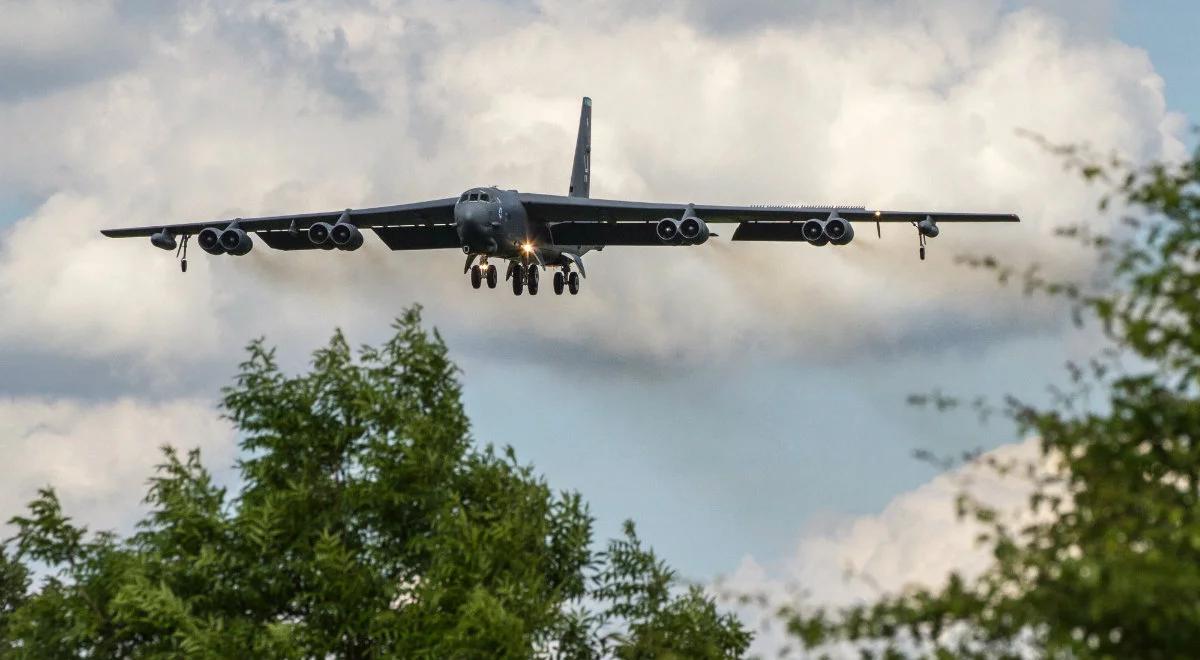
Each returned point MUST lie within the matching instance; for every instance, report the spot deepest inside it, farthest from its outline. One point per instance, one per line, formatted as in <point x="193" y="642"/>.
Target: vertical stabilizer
<point x="581" y="173"/>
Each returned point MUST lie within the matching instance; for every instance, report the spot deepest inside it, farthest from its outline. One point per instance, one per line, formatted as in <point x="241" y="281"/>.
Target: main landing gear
<point x="481" y="273"/>
<point x="568" y="280"/>
<point x="531" y="279"/>
<point x="524" y="278"/>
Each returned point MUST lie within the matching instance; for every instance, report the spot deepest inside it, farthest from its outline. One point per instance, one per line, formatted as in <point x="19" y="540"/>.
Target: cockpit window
<point x="463" y="198"/>
<point x="474" y="196"/>
<point x="484" y="197"/>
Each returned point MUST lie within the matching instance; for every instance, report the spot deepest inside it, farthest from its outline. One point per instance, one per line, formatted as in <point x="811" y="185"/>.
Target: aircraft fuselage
<point x="493" y="223"/>
<point x="535" y="233"/>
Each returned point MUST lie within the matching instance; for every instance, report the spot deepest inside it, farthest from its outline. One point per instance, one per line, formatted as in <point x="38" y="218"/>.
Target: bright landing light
<point x="527" y="248"/>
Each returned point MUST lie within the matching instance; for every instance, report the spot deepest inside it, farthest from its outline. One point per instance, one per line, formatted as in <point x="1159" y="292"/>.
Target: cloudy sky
<point x="745" y="404"/>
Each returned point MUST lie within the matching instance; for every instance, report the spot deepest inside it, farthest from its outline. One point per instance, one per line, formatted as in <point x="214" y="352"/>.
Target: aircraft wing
<point x="555" y="208"/>
<point x="416" y="226"/>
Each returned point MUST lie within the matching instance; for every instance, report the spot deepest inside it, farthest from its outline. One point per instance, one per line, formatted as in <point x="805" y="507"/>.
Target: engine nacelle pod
<point x="814" y="231"/>
<point x="668" y="231"/>
<point x="209" y="240"/>
<point x="163" y="240"/>
<point x="693" y="230"/>
<point x="236" y="242"/>
<point x="346" y="236"/>
<point x="928" y="228"/>
<point x="838" y="230"/>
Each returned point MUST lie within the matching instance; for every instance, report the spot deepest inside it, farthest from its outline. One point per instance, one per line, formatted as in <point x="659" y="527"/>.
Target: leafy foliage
<point x="1110" y="567"/>
<point x="367" y="525"/>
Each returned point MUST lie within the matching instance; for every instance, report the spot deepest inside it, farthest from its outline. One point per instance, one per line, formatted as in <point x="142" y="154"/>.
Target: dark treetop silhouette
<point x="367" y="525"/>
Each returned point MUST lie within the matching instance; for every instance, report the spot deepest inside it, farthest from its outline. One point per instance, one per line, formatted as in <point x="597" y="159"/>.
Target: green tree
<point x="367" y="525"/>
<point x="14" y="583"/>
<point x="1111" y="567"/>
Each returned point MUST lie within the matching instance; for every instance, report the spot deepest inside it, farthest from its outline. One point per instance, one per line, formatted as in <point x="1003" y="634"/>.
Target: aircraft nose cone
<point x="472" y="221"/>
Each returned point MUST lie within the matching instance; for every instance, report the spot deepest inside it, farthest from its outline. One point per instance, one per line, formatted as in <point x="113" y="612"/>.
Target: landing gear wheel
<point x="559" y="282"/>
<point x="533" y="280"/>
<point x="518" y="281"/>
<point x="573" y="282"/>
<point x="476" y="277"/>
<point x="492" y="276"/>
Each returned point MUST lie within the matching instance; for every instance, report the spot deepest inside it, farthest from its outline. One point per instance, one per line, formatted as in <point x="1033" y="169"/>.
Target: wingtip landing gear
<point x="926" y="229"/>
<point x="182" y="253"/>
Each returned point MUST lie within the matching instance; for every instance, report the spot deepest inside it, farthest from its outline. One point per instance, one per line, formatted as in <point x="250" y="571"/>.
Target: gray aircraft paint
<point x="581" y="172"/>
<point x="536" y="230"/>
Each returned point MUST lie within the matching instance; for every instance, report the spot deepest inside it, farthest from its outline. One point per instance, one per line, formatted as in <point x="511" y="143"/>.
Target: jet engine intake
<point x="814" y="231"/>
<point x="838" y="230"/>
<point x="346" y="236"/>
<point x="209" y="240"/>
<point x="693" y="230"/>
<point x="235" y="241"/>
<point x="668" y="231"/>
<point x="319" y="233"/>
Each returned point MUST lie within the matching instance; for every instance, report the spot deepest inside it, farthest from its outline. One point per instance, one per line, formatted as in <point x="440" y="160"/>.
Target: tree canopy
<point x="366" y="524"/>
<point x="1109" y="567"/>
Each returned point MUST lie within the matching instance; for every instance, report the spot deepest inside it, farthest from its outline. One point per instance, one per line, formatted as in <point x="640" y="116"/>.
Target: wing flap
<point x="604" y="233"/>
<point x="769" y="231"/>
<point x="420" y="238"/>
<point x="286" y="240"/>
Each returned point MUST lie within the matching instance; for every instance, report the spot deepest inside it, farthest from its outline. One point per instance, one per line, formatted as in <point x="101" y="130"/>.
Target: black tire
<point x="533" y="280"/>
<point x="573" y="283"/>
<point x="493" y="276"/>
<point x="560" y="281"/>
<point x="476" y="277"/>
<point x="518" y="281"/>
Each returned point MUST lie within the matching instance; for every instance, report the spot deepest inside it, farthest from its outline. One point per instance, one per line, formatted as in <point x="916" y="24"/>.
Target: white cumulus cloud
<point x="250" y="108"/>
<point x="917" y="540"/>
<point x="99" y="456"/>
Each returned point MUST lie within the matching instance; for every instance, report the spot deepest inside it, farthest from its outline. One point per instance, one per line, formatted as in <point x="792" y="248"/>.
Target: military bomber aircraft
<point x="534" y="232"/>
